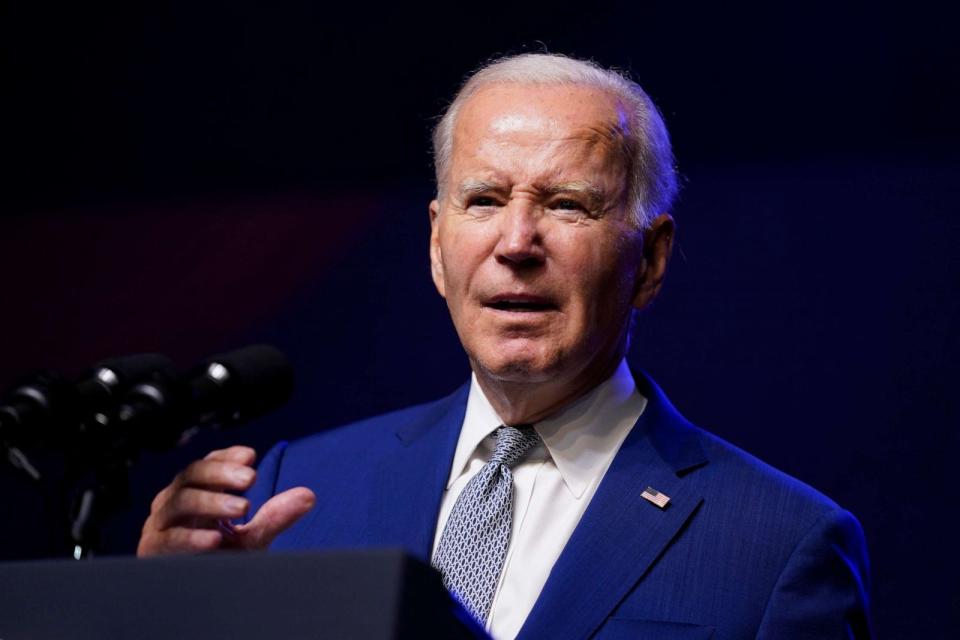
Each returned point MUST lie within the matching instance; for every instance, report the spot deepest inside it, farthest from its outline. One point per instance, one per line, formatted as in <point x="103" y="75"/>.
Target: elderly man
<point x="559" y="493"/>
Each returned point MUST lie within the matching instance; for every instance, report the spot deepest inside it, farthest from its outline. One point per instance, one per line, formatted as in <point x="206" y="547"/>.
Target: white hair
<point x="645" y="141"/>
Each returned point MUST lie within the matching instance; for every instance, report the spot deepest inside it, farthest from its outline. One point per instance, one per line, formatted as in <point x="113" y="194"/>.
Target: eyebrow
<point x="592" y="192"/>
<point x="471" y="186"/>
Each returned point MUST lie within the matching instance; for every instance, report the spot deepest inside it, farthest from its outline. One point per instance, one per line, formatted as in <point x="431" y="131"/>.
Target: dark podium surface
<point x="331" y="594"/>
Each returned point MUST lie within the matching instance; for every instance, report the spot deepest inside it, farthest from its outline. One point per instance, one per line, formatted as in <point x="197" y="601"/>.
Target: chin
<point x="522" y="366"/>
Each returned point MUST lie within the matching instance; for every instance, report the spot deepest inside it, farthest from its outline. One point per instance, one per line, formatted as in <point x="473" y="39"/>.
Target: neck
<point x="523" y="402"/>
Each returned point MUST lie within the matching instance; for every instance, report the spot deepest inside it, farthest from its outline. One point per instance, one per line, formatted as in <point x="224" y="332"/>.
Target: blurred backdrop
<point x="189" y="177"/>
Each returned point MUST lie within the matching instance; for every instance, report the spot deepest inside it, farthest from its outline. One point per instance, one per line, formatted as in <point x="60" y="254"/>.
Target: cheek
<point x="452" y="267"/>
<point x="602" y="277"/>
<point x="460" y="262"/>
<point x="466" y="245"/>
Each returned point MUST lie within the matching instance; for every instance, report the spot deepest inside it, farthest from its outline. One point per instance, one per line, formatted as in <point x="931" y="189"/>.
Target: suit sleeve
<point x="823" y="589"/>
<point x="268" y="473"/>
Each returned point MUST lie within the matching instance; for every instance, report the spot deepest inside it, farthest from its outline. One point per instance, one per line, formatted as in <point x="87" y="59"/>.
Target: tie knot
<point x="513" y="443"/>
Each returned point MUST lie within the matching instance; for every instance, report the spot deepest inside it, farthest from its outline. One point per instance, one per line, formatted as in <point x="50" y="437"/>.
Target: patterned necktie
<point x="474" y="542"/>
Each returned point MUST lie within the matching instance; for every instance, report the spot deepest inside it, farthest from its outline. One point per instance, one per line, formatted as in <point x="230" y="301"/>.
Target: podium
<point x="364" y="594"/>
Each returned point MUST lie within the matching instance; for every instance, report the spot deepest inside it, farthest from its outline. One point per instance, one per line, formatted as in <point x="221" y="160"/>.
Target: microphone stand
<point x="19" y="461"/>
<point x="152" y="416"/>
<point x="95" y="491"/>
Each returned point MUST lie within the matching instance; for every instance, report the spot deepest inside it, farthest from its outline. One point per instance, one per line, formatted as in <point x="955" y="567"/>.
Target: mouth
<point x="522" y="303"/>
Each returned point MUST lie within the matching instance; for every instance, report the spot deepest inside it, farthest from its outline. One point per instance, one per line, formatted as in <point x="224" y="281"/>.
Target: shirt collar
<point x="581" y="439"/>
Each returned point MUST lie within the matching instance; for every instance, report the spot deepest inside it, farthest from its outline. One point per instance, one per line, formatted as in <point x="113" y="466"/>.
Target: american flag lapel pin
<point x="652" y="495"/>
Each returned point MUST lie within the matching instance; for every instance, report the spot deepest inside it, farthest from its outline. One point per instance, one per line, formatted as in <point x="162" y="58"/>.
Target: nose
<point x="521" y="240"/>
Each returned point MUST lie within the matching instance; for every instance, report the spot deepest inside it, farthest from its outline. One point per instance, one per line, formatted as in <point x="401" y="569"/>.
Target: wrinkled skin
<point x="532" y="246"/>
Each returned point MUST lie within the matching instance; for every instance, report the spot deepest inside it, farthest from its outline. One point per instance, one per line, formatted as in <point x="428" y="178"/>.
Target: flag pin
<point x="652" y="495"/>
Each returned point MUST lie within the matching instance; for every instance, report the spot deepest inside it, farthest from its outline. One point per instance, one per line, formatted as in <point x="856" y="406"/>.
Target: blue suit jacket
<point x="741" y="550"/>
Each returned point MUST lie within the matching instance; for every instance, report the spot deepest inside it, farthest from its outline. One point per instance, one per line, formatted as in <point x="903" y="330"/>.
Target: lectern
<point x="363" y="594"/>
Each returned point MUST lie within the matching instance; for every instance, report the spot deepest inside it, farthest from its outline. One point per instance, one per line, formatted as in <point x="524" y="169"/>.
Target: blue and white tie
<point x="474" y="542"/>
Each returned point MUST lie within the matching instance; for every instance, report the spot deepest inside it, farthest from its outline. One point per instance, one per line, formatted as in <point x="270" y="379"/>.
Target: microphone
<point x="101" y="388"/>
<point x="238" y="386"/>
<point x="142" y="400"/>
<point x="46" y="407"/>
<point x="226" y="389"/>
<point x="40" y="399"/>
<point x="34" y="401"/>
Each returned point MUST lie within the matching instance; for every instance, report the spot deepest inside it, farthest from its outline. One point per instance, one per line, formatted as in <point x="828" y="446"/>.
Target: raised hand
<point x="190" y="515"/>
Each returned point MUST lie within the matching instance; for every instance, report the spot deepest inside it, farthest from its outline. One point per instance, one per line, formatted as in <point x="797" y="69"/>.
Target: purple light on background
<point x="180" y="278"/>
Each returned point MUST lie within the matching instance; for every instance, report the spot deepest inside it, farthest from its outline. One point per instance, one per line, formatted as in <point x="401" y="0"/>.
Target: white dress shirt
<point x="552" y="486"/>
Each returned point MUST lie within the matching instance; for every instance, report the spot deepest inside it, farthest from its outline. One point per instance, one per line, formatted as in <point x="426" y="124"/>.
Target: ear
<point x="657" y="247"/>
<point x="436" y="255"/>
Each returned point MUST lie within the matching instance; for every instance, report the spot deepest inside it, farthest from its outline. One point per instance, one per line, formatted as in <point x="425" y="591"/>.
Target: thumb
<point x="275" y="516"/>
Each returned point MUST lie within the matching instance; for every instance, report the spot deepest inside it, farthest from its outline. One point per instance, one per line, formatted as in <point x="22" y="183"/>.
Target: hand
<point x="189" y="515"/>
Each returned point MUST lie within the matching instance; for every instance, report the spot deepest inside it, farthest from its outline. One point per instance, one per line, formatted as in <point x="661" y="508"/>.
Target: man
<point x="611" y="514"/>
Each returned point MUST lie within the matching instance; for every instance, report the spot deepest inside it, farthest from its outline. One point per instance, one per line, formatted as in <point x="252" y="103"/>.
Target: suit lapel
<point x="409" y="483"/>
<point x="621" y="534"/>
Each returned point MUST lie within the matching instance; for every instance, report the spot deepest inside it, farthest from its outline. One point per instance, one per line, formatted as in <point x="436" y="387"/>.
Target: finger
<point x="276" y="516"/>
<point x="188" y="504"/>
<point x="231" y="475"/>
<point x="179" y="540"/>
<point x="239" y="454"/>
<point x="161" y="498"/>
<point x="212" y="474"/>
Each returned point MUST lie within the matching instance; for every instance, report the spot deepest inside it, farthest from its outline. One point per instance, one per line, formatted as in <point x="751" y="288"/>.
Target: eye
<point x="482" y="201"/>
<point x="570" y="209"/>
<point x="566" y="204"/>
<point x="481" y="206"/>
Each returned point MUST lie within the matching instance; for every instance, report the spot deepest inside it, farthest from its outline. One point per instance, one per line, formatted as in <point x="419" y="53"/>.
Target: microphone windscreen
<point x="137" y="367"/>
<point x="260" y="379"/>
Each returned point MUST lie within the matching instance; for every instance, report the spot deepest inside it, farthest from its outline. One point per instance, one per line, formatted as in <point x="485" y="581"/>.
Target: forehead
<point x="518" y="127"/>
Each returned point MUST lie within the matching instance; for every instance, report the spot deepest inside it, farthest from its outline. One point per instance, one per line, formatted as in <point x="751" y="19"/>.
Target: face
<point x="531" y="245"/>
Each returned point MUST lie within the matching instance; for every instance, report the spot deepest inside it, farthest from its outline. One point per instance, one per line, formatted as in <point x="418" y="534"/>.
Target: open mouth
<point x="521" y="304"/>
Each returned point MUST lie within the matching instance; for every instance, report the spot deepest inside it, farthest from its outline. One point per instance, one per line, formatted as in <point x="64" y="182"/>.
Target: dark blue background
<point x="197" y="176"/>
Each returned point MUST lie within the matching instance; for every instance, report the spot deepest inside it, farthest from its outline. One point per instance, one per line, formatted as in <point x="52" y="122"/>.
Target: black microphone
<point x="226" y="389"/>
<point x="33" y="404"/>
<point x="235" y="387"/>
<point x="35" y="409"/>
<point x="102" y="388"/>
<point x="45" y="406"/>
